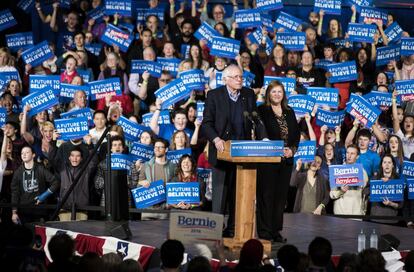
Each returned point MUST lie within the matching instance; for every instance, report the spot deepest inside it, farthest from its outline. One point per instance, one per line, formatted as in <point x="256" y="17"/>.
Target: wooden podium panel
<point x="245" y="217"/>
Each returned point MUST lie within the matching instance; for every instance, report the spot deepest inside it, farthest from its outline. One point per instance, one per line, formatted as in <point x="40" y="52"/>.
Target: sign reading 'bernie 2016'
<point x="346" y="174"/>
<point x="256" y="148"/>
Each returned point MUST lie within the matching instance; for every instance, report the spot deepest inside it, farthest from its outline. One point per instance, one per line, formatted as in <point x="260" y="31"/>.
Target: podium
<point x="245" y="217"/>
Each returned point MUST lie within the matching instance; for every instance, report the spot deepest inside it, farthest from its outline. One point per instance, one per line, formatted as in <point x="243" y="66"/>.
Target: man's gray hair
<point x="229" y="69"/>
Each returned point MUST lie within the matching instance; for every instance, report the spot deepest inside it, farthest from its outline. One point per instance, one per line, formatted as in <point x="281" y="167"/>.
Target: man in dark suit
<point x="227" y="116"/>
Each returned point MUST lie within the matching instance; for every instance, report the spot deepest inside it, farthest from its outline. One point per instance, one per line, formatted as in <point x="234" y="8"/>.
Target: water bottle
<point x="361" y="241"/>
<point x="373" y="240"/>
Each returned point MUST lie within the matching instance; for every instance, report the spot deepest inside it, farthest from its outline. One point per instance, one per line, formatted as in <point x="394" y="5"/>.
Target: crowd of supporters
<point x="37" y="166"/>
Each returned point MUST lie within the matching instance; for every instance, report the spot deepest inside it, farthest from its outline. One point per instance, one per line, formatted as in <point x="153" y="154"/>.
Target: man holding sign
<point x="158" y="168"/>
<point x="348" y="199"/>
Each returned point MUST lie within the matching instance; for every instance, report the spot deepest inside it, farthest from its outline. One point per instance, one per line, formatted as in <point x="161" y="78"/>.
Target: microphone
<point x="247" y="116"/>
<point x="256" y="117"/>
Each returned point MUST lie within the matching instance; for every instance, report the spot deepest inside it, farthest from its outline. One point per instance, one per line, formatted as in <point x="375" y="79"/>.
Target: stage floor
<point x="299" y="229"/>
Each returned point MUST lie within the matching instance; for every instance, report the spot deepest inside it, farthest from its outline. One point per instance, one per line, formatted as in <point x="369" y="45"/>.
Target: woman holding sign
<point x="273" y="178"/>
<point x="386" y="173"/>
<point x="187" y="172"/>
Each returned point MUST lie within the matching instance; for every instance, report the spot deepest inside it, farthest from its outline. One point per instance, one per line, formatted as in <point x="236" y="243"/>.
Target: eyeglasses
<point x="236" y="77"/>
<point x="218" y="12"/>
<point x="164" y="80"/>
<point x="159" y="147"/>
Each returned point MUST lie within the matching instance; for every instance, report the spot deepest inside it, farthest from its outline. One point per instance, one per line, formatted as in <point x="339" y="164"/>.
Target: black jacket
<point x="217" y="119"/>
<point x="21" y="194"/>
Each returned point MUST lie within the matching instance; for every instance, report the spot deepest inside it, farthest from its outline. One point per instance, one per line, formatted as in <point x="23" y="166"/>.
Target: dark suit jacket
<point x="216" y="117"/>
<point x="272" y="127"/>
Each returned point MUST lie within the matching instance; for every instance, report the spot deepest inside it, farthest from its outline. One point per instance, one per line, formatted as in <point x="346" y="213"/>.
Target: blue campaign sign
<point x="266" y="5"/>
<point x="294" y="41"/>
<point x="163" y="119"/>
<point x="361" y="32"/>
<point x="329" y="6"/>
<point x="19" y="40"/>
<point x="94" y="48"/>
<point x="26" y="5"/>
<point x="126" y="26"/>
<point x="84" y="112"/>
<point x="147" y="197"/>
<point x="392" y="189"/>
<point x="206" y="32"/>
<point x="257" y="36"/>
<point x="287" y="22"/>
<point x="185" y="51"/>
<point x="407" y="46"/>
<point x="393" y="32"/>
<point x="40" y="101"/>
<point x="99" y="89"/>
<point x="67" y="92"/>
<point x="346" y="174"/>
<point x="39" y="82"/>
<point x="256" y="148"/>
<point x="37" y="54"/>
<point x="324" y="96"/>
<point x="142" y="152"/>
<point x="323" y="64"/>
<point x="344" y="71"/>
<point x="73" y="128"/>
<point x="85" y="74"/>
<point x="121" y="162"/>
<point x="172" y="93"/>
<point x="152" y="67"/>
<point x="386" y="54"/>
<point x="340" y="42"/>
<point x="267" y="22"/>
<point x="159" y="12"/>
<point x="301" y="104"/>
<point x="405" y="90"/>
<point x="118" y="37"/>
<point x="122" y="7"/>
<point x="306" y="151"/>
<point x="246" y="18"/>
<point x="359" y="3"/>
<point x="186" y="192"/>
<point x="3" y="115"/>
<point x="373" y="14"/>
<point x="193" y="79"/>
<point x="225" y="47"/>
<point x="362" y="110"/>
<point x="5" y="77"/>
<point x="200" y="110"/>
<point x="248" y="78"/>
<point x="97" y="13"/>
<point x="175" y="155"/>
<point x="288" y="83"/>
<point x="219" y="79"/>
<point x="408" y="169"/>
<point x="143" y="13"/>
<point x="204" y="174"/>
<point x="329" y="118"/>
<point x="132" y="130"/>
<point x="169" y="64"/>
<point x="379" y="99"/>
<point x="6" y="19"/>
<point x="410" y="188"/>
